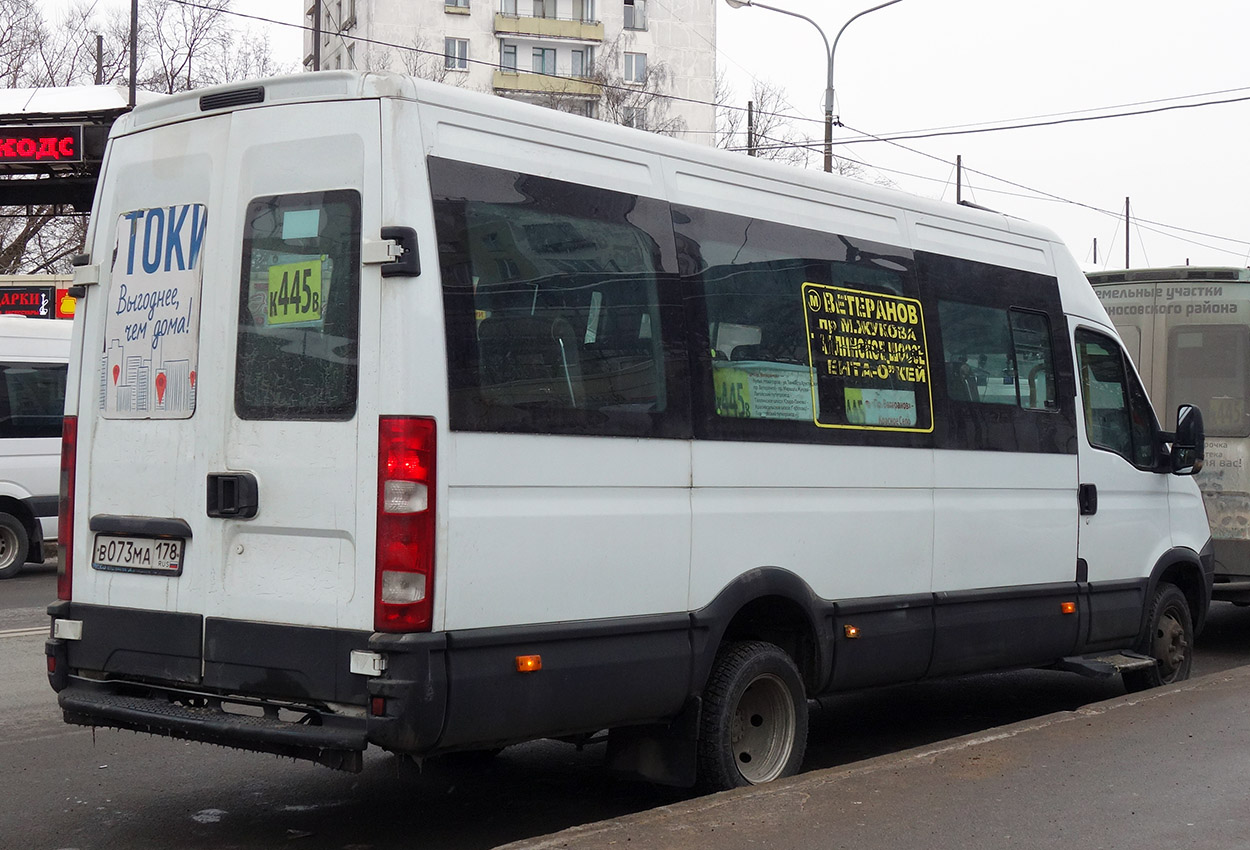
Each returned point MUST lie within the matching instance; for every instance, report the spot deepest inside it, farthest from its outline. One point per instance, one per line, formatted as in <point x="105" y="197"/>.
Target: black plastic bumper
<point x="302" y="733"/>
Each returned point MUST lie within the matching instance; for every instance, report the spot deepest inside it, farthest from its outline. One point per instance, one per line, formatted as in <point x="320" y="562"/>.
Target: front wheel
<point x="13" y="545"/>
<point x="754" y="722"/>
<point x="1169" y="639"/>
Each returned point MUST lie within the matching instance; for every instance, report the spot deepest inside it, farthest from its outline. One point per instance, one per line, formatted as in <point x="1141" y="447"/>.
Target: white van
<point x="414" y="418"/>
<point x="33" y="358"/>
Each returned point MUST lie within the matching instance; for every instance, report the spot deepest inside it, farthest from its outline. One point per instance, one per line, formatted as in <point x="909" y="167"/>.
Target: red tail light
<point x="403" y="596"/>
<point x="65" y="509"/>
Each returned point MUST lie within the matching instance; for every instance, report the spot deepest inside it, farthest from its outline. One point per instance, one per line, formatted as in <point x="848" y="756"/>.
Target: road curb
<point x="748" y="802"/>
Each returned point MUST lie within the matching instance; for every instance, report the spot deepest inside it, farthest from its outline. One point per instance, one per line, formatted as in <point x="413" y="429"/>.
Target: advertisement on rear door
<point x="152" y="327"/>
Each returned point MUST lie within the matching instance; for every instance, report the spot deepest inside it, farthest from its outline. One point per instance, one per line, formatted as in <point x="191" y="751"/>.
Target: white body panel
<point x="850" y="522"/>
<point x="619" y="509"/>
<point x="1133" y="509"/>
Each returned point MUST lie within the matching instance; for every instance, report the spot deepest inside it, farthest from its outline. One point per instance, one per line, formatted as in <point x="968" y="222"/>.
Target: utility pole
<point x="750" y="128"/>
<point x="1126" y="234"/>
<point x="1095" y="250"/>
<point x="959" y="178"/>
<point x="99" y="60"/>
<point x="134" y="49"/>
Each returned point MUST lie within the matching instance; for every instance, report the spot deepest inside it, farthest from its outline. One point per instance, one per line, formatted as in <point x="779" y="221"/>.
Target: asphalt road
<point x="69" y="787"/>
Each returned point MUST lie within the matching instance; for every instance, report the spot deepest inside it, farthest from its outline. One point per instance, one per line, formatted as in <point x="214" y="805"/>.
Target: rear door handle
<point x="232" y="495"/>
<point x="1087" y="497"/>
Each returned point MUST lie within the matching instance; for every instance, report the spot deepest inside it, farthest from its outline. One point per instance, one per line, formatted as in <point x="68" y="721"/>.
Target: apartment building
<point x="645" y="63"/>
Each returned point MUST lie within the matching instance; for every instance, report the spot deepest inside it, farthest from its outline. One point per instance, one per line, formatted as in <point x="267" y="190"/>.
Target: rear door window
<point x="299" y="307"/>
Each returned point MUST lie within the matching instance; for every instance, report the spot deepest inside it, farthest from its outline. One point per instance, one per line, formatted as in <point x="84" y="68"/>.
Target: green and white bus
<point x="1188" y="331"/>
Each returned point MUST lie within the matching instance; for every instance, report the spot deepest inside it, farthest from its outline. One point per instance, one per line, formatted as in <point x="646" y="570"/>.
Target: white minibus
<point x="412" y="418"/>
<point x="33" y="358"/>
<point x="1188" y="330"/>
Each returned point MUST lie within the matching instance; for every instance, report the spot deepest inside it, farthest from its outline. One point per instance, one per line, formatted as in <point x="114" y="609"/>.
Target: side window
<point x="1002" y="358"/>
<point x="809" y="338"/>
<point x="32" y="399"/>
<point x="299" y="305"/>
<point x="554" y="296"/>
<point x="997" y="356"/>
<point x="1118" y="416"/>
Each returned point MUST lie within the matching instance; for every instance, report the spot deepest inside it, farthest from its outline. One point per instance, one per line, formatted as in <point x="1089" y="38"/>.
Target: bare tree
<point x="775" y="136"/>
<point x="182" y="44"/>
<point x="416" y="59"/>
<point x="638" y="101"/>
<point x="180" y="47"/>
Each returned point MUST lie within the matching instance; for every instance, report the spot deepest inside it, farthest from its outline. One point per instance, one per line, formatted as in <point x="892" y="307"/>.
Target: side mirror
<point x="1189" y="441"/>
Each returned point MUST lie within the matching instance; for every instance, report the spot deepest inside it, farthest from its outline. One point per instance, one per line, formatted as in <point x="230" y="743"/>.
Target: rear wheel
<point x="14" y="545"/>
<point x="754" y="723"/>
<point x="1169" y="639"/>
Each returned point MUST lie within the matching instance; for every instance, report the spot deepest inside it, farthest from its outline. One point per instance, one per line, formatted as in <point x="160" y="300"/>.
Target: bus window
<point x="299" y="306"/>
<point x="1117" y="414"/>
<point x="1207" y="366"/>
<point x="997" y="356"/>
<point x="805" y="330"/>
<point x="553" y="300"/>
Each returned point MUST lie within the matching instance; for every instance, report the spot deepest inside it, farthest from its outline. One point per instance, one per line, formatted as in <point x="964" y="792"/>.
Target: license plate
<point x="158" y="555"/>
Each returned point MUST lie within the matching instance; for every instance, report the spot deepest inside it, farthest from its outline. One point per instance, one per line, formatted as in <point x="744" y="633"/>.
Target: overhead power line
<point x="1049" y="120"/>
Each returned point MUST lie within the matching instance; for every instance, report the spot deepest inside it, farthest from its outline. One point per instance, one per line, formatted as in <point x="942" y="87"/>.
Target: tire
<point x="14" y="545"/>
<point x="1169" y="639"/>
<point x="753" y="727"/>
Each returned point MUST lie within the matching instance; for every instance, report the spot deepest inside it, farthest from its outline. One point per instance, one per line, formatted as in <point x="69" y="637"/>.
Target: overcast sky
<point x="921" y="65"/>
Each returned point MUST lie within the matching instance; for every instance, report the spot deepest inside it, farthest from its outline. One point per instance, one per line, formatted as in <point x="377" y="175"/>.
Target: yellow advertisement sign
<point x="870" y="359"/>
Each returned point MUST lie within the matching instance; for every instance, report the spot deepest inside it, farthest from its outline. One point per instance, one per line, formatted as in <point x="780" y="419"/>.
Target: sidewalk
<point x="1168" y="768"/>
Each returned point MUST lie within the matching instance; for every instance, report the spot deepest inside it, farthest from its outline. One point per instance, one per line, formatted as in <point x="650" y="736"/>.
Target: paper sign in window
<point x="870" y="360"/>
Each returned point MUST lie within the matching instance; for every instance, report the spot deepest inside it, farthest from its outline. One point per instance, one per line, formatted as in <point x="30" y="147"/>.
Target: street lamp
<point x="829" y="120"/>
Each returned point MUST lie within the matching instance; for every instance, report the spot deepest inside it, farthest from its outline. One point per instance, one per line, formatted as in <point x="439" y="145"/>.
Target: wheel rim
<point x="8" y="547"/>
<point x="762" y="730"/>
<point x="1171" y="644"/>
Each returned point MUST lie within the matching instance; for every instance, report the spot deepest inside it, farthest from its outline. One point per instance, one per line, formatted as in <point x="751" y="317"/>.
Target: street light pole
<point x="829" y="117"/>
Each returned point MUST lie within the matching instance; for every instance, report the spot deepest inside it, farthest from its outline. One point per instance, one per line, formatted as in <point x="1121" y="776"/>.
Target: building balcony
<point x="520" y="81"/>
<point x="548" y="27"/>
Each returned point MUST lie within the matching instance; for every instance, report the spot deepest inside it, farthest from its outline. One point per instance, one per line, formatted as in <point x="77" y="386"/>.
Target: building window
<point x="463" y="4"/>
<point x="583" y="59"/>
<point x="456" y="54"/>
<point x="544" y="8"/>
<point x="635" y="67"/>
<point x="507" y="58"/>
<point x="583" y="10"/>
<point x="635" y="14"/>
<point x="544" y="60"/>
<point x="635" y="116"/>
<point x="508" y="8"/>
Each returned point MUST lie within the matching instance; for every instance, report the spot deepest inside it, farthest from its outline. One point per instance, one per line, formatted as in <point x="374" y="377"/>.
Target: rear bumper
<point x="302" y="733"/>
<point x="288" y="690"/>
<point x="264" y="687"/>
